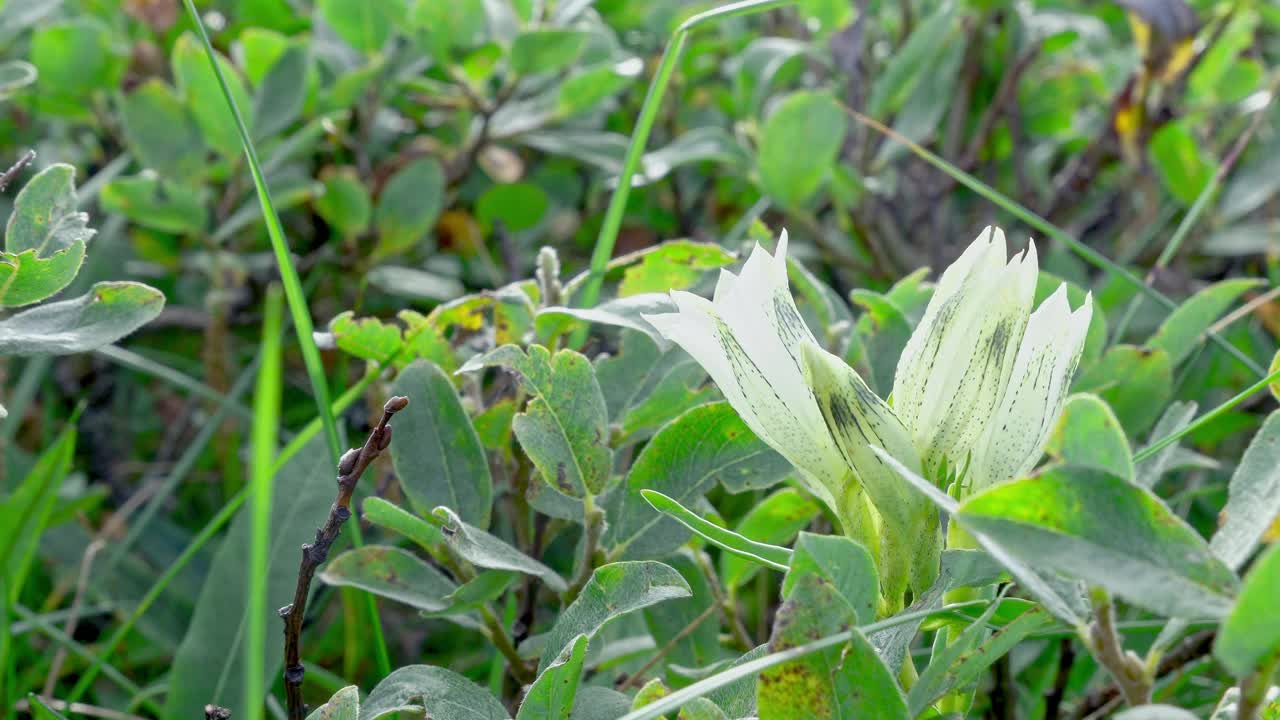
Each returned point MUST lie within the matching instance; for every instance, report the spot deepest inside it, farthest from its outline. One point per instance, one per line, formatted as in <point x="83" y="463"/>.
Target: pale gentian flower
<point x="749" y="338"/>
<point x="977" y="390"/>
<point x="981" y="383"/>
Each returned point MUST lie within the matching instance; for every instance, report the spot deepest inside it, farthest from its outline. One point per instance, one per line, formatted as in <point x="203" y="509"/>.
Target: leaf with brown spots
<point x="839" y="683"/>
<point x="1107" y="532"/>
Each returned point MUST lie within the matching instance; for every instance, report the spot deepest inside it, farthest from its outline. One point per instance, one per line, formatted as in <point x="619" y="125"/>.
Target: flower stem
<point x="1104" y="643"/>
<point x="1253" y="689"/>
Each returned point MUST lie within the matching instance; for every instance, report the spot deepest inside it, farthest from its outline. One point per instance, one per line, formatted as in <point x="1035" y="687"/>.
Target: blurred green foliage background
<point x="422" y="151"/>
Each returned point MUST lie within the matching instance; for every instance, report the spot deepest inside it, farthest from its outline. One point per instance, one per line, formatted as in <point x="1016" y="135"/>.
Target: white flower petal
<point x="1014" y="441"/>
<point x="724" y="285"/>
<point x="917" y="356"/>
<point x="858" y="419"/>
<point x="748" y="341"/>
<point x="956" y="365"/>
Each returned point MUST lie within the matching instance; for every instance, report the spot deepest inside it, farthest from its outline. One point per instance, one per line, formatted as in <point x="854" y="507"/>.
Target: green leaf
<point x="514" y="206"/>
<point x="1205" y="79"/>
<point x="798" y="143"/>
<point x="395" y="518"/>
<point x="646" y="388"/>
<point x="765" y="554"/>
<point x="845" y="564"/>
<point x="17" y="17"/>
<point x="108" y="312"/>
<point x="630" y="375"/>
<point x="208" y="659"/>
<point x="345" y="203"/>
<point x="485" y="587"/>
<point x="366" y="338"/>
<point x="392" y="573"/>
<point x="928" y="102"/>
<point x="26" y="278"/>
<point x="590" y="88"/>
<point x="447" y="25"/>
<point x="564" y="429"/>
<point x="408" y="206"/>
<point x="838" y="683"/>
<point x="701" y="709"/>
<point x="484" y="550"/>
<point x="774" y="520"/>
<point x="439" y="693"/>
<point x="964" y="659"/>
<point x="1107" y="532"/>
<point x="738" y="698"/>
<point x="1185" y="328"/>
<point x="882" y="333"/>
<point x="613" y="591"/>
<point x="1251" y="633"/>
<point x="260" y="49"/>
<point x="908" y="66"/>
<point x="599" y="703"/>
<point x="1181" y="161"/>
<point x="415" y="284"/>
<point x="364" y="26"/>
<point x="344" y="705"/>
<point x="1254" y="182"/>
<point x="551" y="695"/>
<point x="546" y="50"/>
<point x="202" y="93"/>
<point x="1088" y="435"/>
<point x="45" y="215"/>
<point x="686" y="458"/>
<point x="1176" y="417"/>
<point x="1253" y="497"/>
<point x="435" y="450"/>
<point x="162" y="133"/>
<point x="75" y="58"/>
<point x="151" y="202"/>
<point x="673" y="265"/>
<point x="281" y="95"/>
<point x="1135" y="382"/>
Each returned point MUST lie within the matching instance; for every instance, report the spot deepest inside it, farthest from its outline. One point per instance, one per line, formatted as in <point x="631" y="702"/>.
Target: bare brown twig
<point x="635" y="678"/>
<point x="8" y="175"/>
<point x="350" y="468"/>
<point x="1188" y="651"/>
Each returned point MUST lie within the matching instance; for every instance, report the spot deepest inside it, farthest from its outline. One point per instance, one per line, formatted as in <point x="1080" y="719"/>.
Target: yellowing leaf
<point x="674" y="265"/>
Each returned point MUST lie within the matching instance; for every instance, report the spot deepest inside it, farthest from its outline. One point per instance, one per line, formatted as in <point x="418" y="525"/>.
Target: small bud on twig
<point x="548" y="275"/>
<point x="348" y="461"/>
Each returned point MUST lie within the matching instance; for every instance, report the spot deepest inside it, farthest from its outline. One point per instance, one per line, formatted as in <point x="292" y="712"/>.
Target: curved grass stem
<point x="612" y="224"/>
